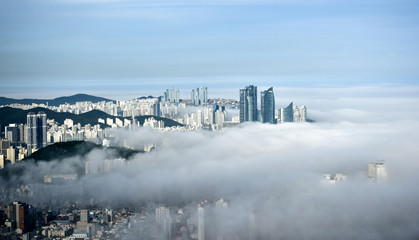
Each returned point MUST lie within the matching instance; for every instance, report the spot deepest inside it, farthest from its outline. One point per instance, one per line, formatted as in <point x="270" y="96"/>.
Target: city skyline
<point x="268" y="119"/>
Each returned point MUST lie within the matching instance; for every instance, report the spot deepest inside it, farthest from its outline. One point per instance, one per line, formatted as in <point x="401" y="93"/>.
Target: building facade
<point x="248" y="104"/>
<point x="36" y="131"/>
<point x="267" y="100"/>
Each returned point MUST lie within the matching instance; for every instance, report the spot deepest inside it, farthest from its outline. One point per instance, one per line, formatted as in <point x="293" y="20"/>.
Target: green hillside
<point x="75" y="148"/>
<point x="167" y="122"/>
<point x="61" y="151"/>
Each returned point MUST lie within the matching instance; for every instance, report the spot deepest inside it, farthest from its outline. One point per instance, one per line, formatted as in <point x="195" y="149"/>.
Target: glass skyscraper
<point x="288" y="114"/>
<point x="267" y="100"/>
<point x="248" y="104"/>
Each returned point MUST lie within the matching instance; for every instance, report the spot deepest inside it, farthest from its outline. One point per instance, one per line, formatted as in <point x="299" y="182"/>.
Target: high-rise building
<point x="220" y="219"/>
<point x="156" y="108"/>
<point x="193" y="101"/>
<point x="199" y="96"/>
<point x="22" y="216"/>
<point x="164" y="221"/>
<point x="22" y="133"/>
<point x="377" y="171"/>
<point x="287" y="114"/>
<point x="11" y="133"/>
<point x="11" y="154"/>
<point x="219" y="119"/>
<point x="300" y="114"/>
<point x="267" y="100"/>
<point x="199" y="117"/>
<point x="303" y="114"/>
<point x="170" y="95"/>
<point x="4" y="145"/>
<point x="212" y="220"/>
<point x="205" y="95"/>
<point x="2" y="161"/>
<point x="177" y="96"/>
<point x="296" y="114"/>
<point x="37" y="131"/>
<point x="201" y="222"/>
<point x="248" y="104"/>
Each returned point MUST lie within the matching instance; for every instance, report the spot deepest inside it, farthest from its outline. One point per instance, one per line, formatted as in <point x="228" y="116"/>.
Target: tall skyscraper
<point x="177" y="96"/>
<point x="37" y="131"/>
<point x="172" y="95"/>
<point x="267" y="100"/>
<point x="156" y="108"/>
<point x="248" y="104"/>
<point x="205" y="97"/>
<point x="22" y="132"/>
<point x="201" y="222"/>
<point x="303" y="114"/>
<point x="287" y="114"/>
<point x="199" y="96"/>
<point x="193" y="101"/>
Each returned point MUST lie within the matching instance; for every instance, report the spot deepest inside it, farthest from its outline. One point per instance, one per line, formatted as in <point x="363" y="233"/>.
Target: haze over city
<point x="202" y="120"/>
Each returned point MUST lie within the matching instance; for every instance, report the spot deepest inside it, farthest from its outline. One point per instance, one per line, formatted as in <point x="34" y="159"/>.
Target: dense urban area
<point x="101" y="219"/>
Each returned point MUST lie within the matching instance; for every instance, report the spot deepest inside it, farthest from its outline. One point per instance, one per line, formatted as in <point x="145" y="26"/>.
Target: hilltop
<point x="167" y="121"/>
<point x="16" y="115"/>
<point x="61" y="150"/>
<point x="64" y="150"/>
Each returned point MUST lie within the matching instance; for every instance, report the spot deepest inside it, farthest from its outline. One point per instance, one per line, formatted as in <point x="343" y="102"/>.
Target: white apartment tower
<point x="201" y="222"/>
<point x="377" y="171"/>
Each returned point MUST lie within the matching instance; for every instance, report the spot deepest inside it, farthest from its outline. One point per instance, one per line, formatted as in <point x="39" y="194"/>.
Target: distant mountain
<point x="56" y="101"/>
<point x="149" y="97"/>
<point x="15" y="115"/>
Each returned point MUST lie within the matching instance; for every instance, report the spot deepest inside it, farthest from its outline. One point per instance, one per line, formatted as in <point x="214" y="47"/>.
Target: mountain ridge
<point x="72" y="99"/>
<point x="18" y="116"/>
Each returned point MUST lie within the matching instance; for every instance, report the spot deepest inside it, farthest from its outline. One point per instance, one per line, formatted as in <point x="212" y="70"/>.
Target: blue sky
<point x="50" y="47"/>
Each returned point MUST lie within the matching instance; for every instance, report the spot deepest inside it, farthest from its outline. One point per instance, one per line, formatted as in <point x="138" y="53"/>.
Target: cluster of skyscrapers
<point x="172" y="95"/>
<point x="33" y="135"/>
<point x="21" y="140"/>
<point x="199" y="96"/>
<point x="249" y="108"/>
<point x="248" y="105"/>
<point x="292" y="113"/>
